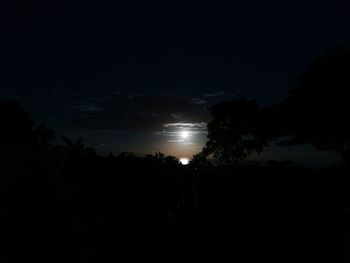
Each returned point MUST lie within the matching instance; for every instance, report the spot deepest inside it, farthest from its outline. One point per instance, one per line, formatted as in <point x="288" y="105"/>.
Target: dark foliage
<point x="317" y="108"/>
<point x="233" y="134"/>
<point x="16" y="124"/>
<point x="97" y="209"/>
<point x="17" y="127"/>
<point x="314" y="113"/>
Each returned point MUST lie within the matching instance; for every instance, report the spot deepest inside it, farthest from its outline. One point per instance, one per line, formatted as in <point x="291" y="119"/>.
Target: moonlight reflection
<point x="184" y="161"/>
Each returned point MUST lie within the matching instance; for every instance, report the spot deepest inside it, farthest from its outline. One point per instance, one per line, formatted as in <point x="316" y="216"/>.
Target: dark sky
<point x="130" y="75"/>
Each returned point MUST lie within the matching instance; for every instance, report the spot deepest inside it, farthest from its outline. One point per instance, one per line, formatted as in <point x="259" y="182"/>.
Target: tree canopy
<point x="316" y="111"/>
<point x="233" y="133"/>
<point x="17" y="127"/>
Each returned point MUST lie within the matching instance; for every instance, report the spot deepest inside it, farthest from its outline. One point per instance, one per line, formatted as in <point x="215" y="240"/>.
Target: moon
<point x="184" y="134"/>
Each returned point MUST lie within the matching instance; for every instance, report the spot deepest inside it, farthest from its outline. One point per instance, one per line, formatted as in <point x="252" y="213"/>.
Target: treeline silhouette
<point x="315" y="112"/>
<point x="62" y="203"/>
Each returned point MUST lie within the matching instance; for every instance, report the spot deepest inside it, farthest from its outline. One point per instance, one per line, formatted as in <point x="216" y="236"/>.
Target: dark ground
<point x="57" y="207"/>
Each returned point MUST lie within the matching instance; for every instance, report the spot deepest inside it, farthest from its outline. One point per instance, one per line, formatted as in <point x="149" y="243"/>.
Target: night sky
<point x="134" y="75"/>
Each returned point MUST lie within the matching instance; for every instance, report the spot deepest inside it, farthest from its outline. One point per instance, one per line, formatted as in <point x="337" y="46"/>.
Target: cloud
<point x="221" y="94"/>
<point x="198" y="101"/>
<point x="215" y="94"/>
<point x="173" y="131"/>
<point x="200" y="125"/>
<point x="91" y="104"/>
<point x="88" y="108"/>
<point x="141" y="113"/>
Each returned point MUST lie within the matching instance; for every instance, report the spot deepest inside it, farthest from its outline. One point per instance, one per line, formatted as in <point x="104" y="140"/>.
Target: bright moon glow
<point x="184" y="161"/>
<point x="184" y="134"/>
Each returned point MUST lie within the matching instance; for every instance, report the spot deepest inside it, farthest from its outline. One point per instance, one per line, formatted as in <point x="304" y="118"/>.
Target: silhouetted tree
<point x="317" y="108"/>
<point x="199" y="160"/>
<point x="79" y="164"/>
<point x="171" y="161"/>
<point x="123" y="156"/>
<point x="155" y="159"/>
<point x="17" y="127"/>
<point x="233" y="132"/>
<point x="16" y="124"/>
<point x="43" y="134"/>
<point x="76" y="149"/>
